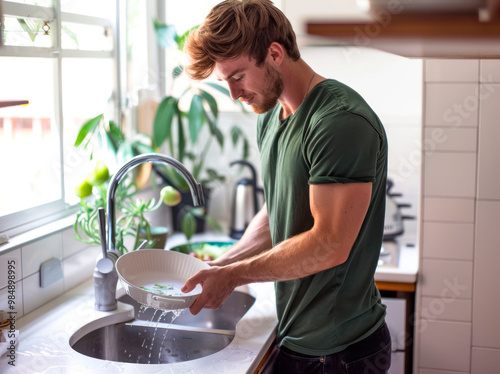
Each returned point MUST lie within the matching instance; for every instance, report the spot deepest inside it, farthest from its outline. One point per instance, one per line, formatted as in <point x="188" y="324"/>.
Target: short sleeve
<point x="341" y="148"/>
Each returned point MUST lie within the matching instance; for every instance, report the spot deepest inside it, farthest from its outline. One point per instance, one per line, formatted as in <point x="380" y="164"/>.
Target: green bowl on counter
<point x="205" y="251"/>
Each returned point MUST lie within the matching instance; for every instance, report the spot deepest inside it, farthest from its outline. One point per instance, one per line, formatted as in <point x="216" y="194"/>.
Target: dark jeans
<point x="371" y="355"/>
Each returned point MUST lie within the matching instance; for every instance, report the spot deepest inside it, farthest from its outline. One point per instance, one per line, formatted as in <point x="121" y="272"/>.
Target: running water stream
<point x="175" y="313"/>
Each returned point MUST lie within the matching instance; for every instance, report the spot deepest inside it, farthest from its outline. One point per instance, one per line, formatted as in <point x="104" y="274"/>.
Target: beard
<point x="271" y="91"/>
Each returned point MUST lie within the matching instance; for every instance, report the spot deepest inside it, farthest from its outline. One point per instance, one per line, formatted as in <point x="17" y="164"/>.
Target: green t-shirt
<point x="333" y="137"/>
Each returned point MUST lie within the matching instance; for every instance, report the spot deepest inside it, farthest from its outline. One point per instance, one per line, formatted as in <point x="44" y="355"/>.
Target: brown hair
<point x="234" y="28"/>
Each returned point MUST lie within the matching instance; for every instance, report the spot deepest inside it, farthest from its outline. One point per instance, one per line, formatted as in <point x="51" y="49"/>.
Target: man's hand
<point x="217" y="285"/>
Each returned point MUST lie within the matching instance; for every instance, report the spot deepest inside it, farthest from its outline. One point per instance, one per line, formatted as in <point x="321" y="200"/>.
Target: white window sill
<point x="37" y="233"/>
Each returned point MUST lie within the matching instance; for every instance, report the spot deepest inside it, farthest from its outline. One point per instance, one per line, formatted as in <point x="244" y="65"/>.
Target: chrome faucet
<point x="105" y="282"/>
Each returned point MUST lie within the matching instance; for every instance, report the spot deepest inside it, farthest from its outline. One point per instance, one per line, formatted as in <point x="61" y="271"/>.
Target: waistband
<point x="381" y="334"/>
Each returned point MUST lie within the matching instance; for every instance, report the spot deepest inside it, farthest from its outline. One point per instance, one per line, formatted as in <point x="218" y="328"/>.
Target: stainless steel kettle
<point x="246" y="201"/>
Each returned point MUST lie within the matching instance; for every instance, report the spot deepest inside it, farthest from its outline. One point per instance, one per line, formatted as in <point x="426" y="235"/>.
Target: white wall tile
<point x="450" y="174"/>
<point x="486" y="301"/>
<point x="40" y="251"/>
<point x="452" y="139"/>
<point x="79" y="267"/>
<point x="69" y="244"/>
<point x="489" y="152"/>
<point x="17" y="299"/>
<point x="436" y="308"/>
<point x="448" y="240"/>
<point x="490" y="71"/>
<point x="485" y="360"/>
<point x="447" y="279"/>
<point x="12" y="259"/>
<point x="449" y="209"/>
<point x="434" y="371"/>
<point x="34" y="296"/>
<point x="451" y="104"/>
<point x="437" y="70"/>
<point x="403" y="143"/>
<point x="445" y="346"/>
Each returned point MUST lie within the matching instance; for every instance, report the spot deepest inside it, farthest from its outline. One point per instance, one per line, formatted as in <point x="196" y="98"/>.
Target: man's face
<point x="259" y="87"/>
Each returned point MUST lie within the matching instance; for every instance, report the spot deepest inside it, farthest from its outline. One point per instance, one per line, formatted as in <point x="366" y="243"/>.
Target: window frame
<point x="22" y="221"/>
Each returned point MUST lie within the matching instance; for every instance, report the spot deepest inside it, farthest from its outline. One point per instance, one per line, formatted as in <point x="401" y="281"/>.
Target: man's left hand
<point x="217" y="287"/>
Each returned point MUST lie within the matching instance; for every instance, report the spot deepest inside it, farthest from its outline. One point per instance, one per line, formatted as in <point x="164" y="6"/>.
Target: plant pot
<point x="187" y="200"/>
<point x="159" y="234"/>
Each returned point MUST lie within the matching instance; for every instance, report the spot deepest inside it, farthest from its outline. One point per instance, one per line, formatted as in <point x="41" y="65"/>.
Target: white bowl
<point x="146" y="267"/>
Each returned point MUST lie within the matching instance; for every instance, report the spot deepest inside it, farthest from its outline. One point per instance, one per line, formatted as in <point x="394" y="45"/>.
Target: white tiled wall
<point x="489" y="134"/>
<point x="77" y="261"/>
<point x="458" y="304"/>
<point x="486" y="308"/>
<point x="453" y="337"/>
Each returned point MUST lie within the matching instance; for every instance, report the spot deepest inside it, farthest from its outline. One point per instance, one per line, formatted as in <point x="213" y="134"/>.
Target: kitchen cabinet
<point x="400" y="301"/>
<point x="419" y="36"/>
<point x="300" y="12"/>
<point x="445" y="29"/>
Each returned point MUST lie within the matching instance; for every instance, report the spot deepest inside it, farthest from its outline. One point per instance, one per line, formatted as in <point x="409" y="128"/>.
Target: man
<point x="324" y="168"/>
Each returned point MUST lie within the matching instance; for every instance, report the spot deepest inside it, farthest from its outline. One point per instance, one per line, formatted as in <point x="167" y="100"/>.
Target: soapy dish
<point x="154" y="277"/>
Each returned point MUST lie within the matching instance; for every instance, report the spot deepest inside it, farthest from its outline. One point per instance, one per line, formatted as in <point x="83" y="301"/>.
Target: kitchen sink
<point x="157" y="337"/>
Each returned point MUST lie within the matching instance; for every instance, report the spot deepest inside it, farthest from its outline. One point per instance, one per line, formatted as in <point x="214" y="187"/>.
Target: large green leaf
<point x="106" y="143"/>
<point x="178" y="70"/>
<point x="226" y="92"/>
<point x="212" y="120"/>
<point x="177" y="180"/>
<point x="196" y="113"/>
<point x="162" y="126"/>
<point x="181" y="138"/>
<point x="237" y="135"/>
<point x="212" y="103"/>
<point x="181" y="40"/>
<point x="140" y="147"/>
<point x="219" y="136"/>
<point x="87" y="130"/>
<point x="197" y="168"/>
<point x="125" y="152"/>
<point x="165" y="34"/>
<point x="188" y="224"/>
<point x="213" y="176"/>
<point x="30" y="26"/>
<point x="219" y="88"/>
<point x="212" y="222"/>
<point x="116" y="135"/>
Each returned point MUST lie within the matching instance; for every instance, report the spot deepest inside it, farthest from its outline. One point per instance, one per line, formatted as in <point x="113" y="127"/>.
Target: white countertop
<point x="406" y="268"/>
<point x="45" y="333"/>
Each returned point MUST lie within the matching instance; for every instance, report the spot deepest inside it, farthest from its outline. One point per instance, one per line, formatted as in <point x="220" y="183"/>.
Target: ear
<point x="276" y="53"/>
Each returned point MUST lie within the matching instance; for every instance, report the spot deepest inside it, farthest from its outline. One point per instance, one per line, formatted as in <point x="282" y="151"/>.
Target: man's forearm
<point x="297" y="257"/>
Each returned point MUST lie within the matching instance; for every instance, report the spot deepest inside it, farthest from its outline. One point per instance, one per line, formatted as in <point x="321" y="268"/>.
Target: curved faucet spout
<point x="196" y="189"/>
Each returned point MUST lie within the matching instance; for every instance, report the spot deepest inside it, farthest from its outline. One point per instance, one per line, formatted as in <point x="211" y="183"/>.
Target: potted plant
<point x="187" y="124"/>
<point x="92" y="191"/>
<point x="132" y="220"/>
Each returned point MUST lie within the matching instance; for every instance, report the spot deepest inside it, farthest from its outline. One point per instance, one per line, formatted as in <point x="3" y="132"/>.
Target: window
<point x="61" y="57"/>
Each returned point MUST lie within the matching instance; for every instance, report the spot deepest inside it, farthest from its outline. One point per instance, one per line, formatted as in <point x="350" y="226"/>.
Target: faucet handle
<point x="105" y="265"/>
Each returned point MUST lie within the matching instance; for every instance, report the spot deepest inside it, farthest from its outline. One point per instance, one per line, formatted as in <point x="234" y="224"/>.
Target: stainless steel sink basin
<point x="124" y="342"/>
<point x="152" y="337"/>
<point x="224" y="318"/>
